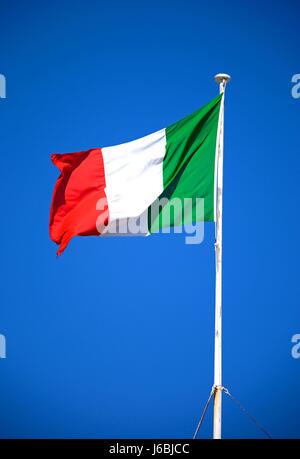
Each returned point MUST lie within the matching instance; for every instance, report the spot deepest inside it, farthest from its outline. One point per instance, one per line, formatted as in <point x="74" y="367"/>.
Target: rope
<point x="243" y="409"/>
<point x="204" y="412"/>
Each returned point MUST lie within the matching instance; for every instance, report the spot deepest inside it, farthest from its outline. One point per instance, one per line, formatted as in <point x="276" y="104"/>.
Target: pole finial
<point x="222" y="78"/>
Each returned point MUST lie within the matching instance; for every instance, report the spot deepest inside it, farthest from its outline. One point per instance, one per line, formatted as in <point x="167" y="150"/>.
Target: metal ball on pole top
<point x="222" y="79"/>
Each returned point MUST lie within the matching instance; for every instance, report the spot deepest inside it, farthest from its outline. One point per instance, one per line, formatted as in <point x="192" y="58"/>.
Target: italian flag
<point x="105" y="187"/>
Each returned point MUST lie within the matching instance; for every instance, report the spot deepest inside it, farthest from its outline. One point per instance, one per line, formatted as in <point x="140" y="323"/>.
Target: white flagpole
<point x="222" y="79"/>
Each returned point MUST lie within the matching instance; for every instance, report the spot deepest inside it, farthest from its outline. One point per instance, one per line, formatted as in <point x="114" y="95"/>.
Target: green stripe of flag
<point x="189" y="166"/>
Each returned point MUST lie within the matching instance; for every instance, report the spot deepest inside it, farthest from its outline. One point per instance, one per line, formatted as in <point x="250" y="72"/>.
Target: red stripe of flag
<point x="76" y="193"/>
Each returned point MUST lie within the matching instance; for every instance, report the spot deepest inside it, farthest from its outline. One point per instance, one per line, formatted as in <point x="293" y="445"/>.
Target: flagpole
<point x="222" y="79"/>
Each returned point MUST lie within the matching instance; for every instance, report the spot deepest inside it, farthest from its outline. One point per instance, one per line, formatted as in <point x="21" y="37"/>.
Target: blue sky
<point x="115" y="338"/>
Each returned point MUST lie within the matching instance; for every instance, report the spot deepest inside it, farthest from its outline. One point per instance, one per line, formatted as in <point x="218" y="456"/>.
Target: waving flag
<point x="101" y="186"/>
